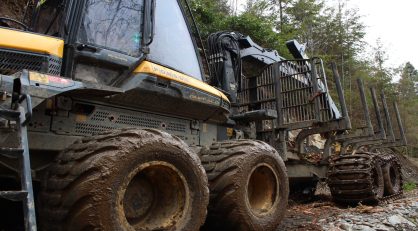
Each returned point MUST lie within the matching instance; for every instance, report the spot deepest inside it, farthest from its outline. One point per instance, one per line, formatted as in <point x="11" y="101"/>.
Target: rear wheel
<point x="125" y="180"/>
<point x="248" y="186"/>
<point x="356" y="178"/>
<point x="392" y="176"/>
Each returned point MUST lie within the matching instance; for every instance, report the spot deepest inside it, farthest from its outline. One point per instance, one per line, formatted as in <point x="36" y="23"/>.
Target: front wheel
<point x="248" y="186"/>
<point x="125" y="180"/>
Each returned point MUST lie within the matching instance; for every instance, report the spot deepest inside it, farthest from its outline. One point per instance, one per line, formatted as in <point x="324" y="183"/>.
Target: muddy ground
<point x="323" y="214"/>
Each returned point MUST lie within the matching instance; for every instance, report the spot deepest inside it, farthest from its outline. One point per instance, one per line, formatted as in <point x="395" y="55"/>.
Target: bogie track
<point x="365" y="178"/>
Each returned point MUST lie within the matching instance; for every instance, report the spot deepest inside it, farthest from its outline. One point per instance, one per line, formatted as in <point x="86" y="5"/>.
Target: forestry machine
<point x="115" y="116"/>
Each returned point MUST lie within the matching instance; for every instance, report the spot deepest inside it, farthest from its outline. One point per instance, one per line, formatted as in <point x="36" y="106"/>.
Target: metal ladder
<point x="21" y="115"/>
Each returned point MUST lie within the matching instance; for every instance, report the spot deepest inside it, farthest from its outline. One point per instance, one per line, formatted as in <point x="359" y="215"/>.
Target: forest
<point x="333" y="32"/>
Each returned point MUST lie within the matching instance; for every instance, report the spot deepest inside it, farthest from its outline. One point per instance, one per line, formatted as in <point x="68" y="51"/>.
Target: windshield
<point x="113" y="24"/>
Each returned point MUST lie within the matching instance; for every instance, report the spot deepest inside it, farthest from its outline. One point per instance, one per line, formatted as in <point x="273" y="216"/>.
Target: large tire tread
<point x="76" y="167"/>
<point x="222" y="162"/>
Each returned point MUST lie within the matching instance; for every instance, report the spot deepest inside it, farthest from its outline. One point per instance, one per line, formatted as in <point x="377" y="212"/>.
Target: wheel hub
<point x="156" y="197"/>
<point x="263" y="188"/>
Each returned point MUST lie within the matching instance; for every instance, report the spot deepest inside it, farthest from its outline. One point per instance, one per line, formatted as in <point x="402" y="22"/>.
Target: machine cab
<point x="143" y="48"/>
<point x="103" y="41"/>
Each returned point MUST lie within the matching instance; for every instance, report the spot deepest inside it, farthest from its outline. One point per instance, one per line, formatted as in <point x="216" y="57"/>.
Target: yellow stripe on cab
<point x="166" y="73"/>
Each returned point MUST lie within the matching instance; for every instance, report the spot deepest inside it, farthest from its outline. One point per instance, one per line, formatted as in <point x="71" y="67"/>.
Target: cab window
<point x="113" y="24"/>
<point x="172" y="45"/>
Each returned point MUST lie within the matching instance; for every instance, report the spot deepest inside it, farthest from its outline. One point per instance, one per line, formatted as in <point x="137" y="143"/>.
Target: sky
<point x="394" y="22"/>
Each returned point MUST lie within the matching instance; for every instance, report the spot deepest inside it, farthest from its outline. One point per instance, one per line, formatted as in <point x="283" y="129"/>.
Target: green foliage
<point x="408" y="103"/>
<point x="209" y="15"/>
<point x="409" y="186"/>
<point x="259" y="29"/>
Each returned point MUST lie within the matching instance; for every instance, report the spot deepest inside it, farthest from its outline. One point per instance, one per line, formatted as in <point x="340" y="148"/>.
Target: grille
<point x="54" y="65"/>
<point x="138" y="121"/>
<point x="296" y="93"/>
<point x="88" y="129"/>
<point x="100" y="116"/>
<point x="102" y="120"/>
<point x="297" y="87"/>
<point x="12" y="61"/>
<point x="304" y="92"/>
<point x="176" y="127"/>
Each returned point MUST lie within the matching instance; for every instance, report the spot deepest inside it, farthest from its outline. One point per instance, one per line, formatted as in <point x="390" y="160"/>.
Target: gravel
<point x="401" y="214"/>
<point x="324" y="214"/>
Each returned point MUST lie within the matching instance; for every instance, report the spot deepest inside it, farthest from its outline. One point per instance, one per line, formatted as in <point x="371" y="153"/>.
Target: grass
<point x="409" y="186"/>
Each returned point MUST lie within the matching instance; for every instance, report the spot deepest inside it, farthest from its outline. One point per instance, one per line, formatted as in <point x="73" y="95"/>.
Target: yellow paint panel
<point x="229" y="132"/>
<point x="163" y="72"/>
<point x="25" y="41"/>
<point x="49" y="104"/>
<point x="79" y="118"/>
<point x="40" y="78"/>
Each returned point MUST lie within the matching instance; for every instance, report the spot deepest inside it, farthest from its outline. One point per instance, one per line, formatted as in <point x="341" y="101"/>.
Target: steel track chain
<point x="387" y="158"/>
<point x="358" y="170"/>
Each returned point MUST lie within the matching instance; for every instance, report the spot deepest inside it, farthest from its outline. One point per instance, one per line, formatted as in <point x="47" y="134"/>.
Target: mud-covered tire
<point x="248" y="186"/>
<point x="125" y="180"/>
<point x="392" y="171"/>
<point x="392" y="176"/>
<point x="356" y="178"/>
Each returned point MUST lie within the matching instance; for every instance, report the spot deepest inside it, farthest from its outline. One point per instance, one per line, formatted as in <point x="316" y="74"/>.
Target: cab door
<point x="106" y="40"/>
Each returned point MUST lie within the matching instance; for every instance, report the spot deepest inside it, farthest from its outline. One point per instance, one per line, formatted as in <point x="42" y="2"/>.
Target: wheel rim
<point x="262" y="190"/>
<point x="377" y="182"/>
<point x="155" y="197"/>
<point x="394" y="179"/>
